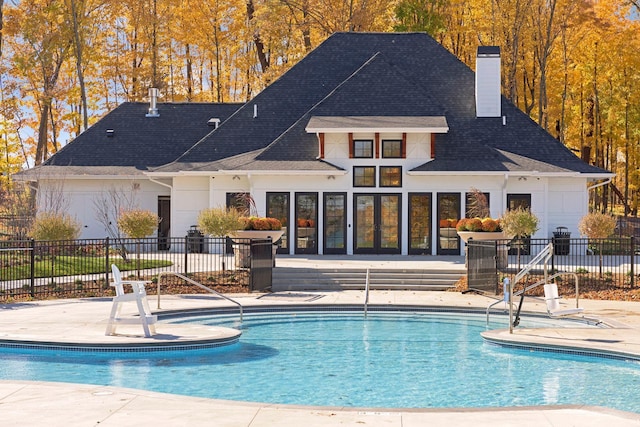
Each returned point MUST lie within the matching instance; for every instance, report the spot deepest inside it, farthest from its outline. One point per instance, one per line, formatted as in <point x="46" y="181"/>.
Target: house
<point x="366" y="146"/>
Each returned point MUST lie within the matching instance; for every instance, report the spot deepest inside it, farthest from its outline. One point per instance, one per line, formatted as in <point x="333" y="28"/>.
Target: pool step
<point x="298" y="279"/>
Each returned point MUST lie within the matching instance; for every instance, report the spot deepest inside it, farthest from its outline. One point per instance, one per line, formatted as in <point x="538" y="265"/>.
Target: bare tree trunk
<point x="262" y="56"/>
<point x="154" y="46"/>
<point x="41" y="149"/>
<point x="78" y="51"/>
<point x="189" y="73"/>
<point x="1" y="7"/>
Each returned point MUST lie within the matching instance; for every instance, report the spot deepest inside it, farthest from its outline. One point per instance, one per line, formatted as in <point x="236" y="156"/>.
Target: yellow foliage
<point x="138" y="223"/>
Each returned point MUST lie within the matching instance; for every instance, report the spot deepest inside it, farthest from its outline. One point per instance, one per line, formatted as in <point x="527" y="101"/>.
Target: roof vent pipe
<point x="488" y="82"/>
<point x="255" y="110"/>
<point x="153" y="101"/>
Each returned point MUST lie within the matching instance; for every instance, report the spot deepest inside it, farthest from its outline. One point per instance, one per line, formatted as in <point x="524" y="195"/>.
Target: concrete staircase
<point x="305" y="279"/>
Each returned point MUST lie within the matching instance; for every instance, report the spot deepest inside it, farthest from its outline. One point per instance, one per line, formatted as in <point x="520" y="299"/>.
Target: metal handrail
<point x="200" y="285"/>
<point x="544" y="256"/>
<point x="538" y="283"/>
<point x="366" y="293"/>
<point x="544" y="282"/>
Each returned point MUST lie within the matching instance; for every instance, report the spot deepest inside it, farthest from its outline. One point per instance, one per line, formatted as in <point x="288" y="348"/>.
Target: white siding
<point x="81" y="196"/>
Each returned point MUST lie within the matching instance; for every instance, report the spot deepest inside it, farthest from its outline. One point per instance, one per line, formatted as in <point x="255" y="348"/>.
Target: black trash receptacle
<point x="561" y="241"/>
<point x="195" y="240"/>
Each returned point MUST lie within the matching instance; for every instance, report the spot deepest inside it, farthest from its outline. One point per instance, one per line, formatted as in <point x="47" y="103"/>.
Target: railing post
<point x="32" y="273"/>
<point x="186" y="254"/>
<point x="633" y="261"/>
<point x="106" y="261"/>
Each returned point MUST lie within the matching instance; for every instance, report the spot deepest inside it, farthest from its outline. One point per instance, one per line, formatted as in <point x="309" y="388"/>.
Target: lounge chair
<point x="139" y="295"/>
<point x="553" y="305"/>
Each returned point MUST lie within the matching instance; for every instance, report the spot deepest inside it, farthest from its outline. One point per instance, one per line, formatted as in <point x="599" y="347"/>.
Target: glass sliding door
<point x="420" y="223"/>
<point x="306" y="236"/>
<point x="448" y="216"/>
<point x="278" y="207"/>
<point x="335" y="223"/>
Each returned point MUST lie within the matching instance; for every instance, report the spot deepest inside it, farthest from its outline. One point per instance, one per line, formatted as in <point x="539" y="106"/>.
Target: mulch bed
<point x="599" y="289"/>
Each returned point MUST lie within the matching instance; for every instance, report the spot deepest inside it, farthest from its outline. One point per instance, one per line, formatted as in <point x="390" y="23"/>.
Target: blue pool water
<point x="387" y="360"/>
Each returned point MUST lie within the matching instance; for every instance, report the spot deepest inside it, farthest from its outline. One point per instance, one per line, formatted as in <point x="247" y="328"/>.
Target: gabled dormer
<point x="377" y="137"/>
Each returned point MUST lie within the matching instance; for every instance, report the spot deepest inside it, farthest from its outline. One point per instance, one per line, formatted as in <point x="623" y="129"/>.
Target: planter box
<point x="242" y="252"/>
<point x="258" y="234"/>
<point x="481" y="235"/>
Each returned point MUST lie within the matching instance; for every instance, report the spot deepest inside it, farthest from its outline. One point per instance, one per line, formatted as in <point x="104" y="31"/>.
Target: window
<point x="515" y="201"/>
<point x="363" y="148"/>
<point x="390" y="176"/>
<point x="240" y="201"/>
<point x="392" y="148"/>
<point x="477" y="204"/>
<point x="364" y="176"/>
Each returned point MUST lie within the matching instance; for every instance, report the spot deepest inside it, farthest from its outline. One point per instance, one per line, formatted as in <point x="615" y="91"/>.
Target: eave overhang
<point x="345" y="124"/>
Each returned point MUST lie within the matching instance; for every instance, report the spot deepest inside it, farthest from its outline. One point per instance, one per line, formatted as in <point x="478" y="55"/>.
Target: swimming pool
<point x="391" y="359"/>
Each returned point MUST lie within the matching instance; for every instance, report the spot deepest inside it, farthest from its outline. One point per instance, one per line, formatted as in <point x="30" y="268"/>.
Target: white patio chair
<point x="139" y="296"/>
<point x="553" y="302"/>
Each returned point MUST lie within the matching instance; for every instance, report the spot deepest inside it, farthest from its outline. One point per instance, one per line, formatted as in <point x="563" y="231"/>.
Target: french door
<point x="377" y="223"/>
<point x="335" y="223"/>
<point x="448" y="216"/>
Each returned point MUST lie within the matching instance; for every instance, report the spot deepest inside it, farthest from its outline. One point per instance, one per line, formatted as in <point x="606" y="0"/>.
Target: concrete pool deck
<point x="84" y="321"/>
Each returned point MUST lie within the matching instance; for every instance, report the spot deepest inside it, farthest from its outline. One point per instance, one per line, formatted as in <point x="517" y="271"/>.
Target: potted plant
<point x="479" y="229"/>
<point x="254" y="227"/>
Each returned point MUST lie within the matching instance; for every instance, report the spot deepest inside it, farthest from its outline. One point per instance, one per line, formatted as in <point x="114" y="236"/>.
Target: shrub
<point x="596" y="225"/>
<point x="519" y="223"/>
<point x="53" y="226"/>
<point x="138" y="223"/>
<point x="220" y="222"/>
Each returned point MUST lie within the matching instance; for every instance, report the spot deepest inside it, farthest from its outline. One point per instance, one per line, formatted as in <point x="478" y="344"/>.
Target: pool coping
<point x="178" y="336"/>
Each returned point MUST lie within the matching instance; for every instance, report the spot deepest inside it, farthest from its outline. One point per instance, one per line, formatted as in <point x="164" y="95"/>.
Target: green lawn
<point x="72" y="266"/>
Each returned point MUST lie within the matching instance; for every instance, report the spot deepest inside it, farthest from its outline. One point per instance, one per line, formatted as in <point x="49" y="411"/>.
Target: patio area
<point x="84" y="321"/>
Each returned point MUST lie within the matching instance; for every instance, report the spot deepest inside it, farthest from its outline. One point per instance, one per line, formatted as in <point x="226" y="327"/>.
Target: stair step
<point x="355" y="278"/>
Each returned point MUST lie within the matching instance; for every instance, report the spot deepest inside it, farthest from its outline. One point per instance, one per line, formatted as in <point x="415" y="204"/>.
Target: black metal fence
<point x="482" y="265"/>
<point x="611" y="263"/>
<point x="46" y="269"/>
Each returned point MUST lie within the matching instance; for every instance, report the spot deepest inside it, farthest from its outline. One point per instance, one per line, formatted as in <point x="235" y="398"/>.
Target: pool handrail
<point x="366" y="293"/>
<point x="543" y="256"/>
<point x="538" y="283"/>
<point x="200" y="285"/>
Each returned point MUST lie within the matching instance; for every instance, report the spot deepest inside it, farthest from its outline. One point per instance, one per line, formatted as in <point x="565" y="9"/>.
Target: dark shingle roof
<point x="138" y="141"/>
<point x="349" y="74"/>
<point x="383" y="74"/>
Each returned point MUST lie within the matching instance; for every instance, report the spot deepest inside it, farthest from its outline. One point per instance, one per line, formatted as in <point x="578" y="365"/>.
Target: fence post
<point x="633" y="261"/>
<point x="32" y="274"/>
<point x="186" y="254"/>
<point x="107" y="268"/>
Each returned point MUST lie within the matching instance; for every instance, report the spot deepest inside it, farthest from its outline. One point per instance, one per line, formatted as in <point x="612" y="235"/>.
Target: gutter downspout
<point x="504" y="193"/>
<point x="160" y="183"/>
<point x="599" y="185"/>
